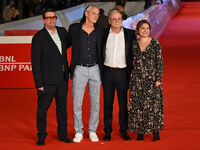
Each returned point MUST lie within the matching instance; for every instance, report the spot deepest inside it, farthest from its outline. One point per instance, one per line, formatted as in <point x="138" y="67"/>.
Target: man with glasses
<point x="86" y="41"/>
<point x="51" y="73"/>
<point x="117" y="60"/>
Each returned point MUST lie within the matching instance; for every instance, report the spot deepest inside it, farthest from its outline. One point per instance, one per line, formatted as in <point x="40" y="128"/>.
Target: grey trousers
<point x="83" y="76"/>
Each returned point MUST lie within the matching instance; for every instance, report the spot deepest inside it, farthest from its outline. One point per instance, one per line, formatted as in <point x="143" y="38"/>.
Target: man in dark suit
<point x="86" y="59"/>
<point x="117" y="55"/>
<point x="50" y="72"/>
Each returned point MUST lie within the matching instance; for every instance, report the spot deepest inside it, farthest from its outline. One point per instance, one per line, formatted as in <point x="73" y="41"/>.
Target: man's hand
<point x="41" y="89"/>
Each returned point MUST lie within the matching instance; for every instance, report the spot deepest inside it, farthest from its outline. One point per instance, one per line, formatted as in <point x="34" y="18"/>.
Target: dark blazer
<point x="47" y="61"/>
<point x="129" y="36"/>
<point x="73" y="39"/>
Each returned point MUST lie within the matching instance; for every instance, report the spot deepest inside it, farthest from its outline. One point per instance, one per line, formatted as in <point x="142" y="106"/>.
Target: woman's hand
<point x="158" y="83"/>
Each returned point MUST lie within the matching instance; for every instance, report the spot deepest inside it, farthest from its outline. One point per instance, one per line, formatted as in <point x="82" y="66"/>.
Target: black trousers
<point x="44" y="101"/>
<point x="115" y="79"/>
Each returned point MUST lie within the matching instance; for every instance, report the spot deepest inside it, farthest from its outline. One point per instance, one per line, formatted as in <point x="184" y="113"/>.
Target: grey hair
<point x="88" y="8"/>
<point x="112" y="11"/>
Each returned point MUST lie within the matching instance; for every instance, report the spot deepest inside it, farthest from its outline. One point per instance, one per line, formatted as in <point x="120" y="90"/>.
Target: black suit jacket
<point x="47" y="61"/>
<point x="73" y="39"/>
<point x="129" y="36"/>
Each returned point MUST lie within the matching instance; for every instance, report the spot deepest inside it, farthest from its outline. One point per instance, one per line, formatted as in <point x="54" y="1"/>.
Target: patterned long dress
<point x="145" y="108"/>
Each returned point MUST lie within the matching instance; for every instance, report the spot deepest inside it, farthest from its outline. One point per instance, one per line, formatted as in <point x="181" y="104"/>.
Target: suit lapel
<point x="105" y="40"/>
<point x="50" y="40"/>
<point x="62" y="39"/>
<point x="126" y="42"/>
<point x="79" y="36"/>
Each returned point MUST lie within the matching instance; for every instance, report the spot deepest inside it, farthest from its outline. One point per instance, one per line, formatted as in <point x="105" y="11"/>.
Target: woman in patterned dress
<point x="145" y="110"/>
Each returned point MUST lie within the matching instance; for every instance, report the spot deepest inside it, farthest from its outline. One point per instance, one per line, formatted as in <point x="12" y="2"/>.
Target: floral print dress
<point x="145" y="108"/>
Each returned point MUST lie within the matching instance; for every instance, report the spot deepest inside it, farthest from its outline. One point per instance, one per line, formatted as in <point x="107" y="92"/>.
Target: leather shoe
<point x="107" y="137"/>
<point x="125" y="136"/>
<point x="140" y="137"/>
<point x="65" y="139"/>
<point x="156" y="136"/>
<point x="40" y="142"/>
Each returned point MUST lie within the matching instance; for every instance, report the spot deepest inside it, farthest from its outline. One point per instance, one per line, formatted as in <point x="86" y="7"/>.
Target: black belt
<point x="87" y="65"/>
<point x="114" y="68"/>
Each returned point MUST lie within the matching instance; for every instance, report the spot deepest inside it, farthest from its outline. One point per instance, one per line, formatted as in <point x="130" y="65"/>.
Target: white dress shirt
<point x="115" y="50"/>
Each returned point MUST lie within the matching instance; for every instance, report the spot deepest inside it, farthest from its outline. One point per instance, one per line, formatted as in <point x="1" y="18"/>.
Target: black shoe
<point x="156" y="136"/>
<point x="125" y="136"/>
<point x="140" y="137"/>
<point x="65" y="139"/>
<point x="107" y="137"/>
<point x="40" y="142"/>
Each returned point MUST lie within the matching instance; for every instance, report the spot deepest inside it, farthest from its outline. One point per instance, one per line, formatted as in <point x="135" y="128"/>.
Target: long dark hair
<point x="83" y="19"/>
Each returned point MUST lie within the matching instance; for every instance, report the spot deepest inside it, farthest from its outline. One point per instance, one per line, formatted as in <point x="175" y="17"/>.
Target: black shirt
<point x="88" y="53"/>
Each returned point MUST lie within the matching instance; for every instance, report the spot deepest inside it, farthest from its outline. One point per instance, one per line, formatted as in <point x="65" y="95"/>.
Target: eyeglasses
<point x="115" y="19"/>
<point x="50" y="18"/>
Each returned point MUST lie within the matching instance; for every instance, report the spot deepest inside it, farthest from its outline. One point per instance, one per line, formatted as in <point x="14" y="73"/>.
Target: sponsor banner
<point x="15" y="66"/>
<point x="15" y="62"/>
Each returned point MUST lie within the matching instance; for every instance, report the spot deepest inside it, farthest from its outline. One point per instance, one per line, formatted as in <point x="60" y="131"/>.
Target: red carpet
<point x="181" y="51"/>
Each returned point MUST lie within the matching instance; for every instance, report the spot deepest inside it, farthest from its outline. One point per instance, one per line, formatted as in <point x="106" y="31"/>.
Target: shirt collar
<point x="122" y="30"/>
<point x="51" y="32"/>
